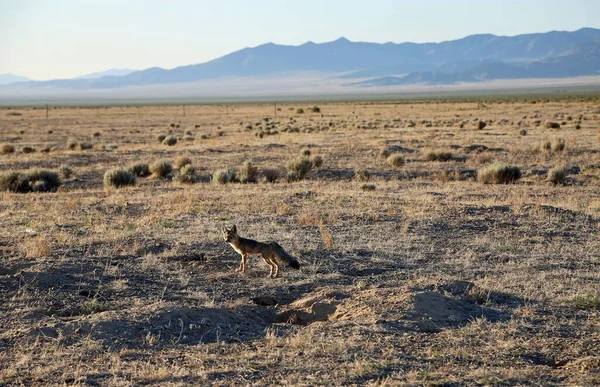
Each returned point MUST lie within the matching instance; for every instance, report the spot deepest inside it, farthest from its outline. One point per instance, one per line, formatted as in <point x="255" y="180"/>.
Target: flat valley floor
<point x="415" y="274"/>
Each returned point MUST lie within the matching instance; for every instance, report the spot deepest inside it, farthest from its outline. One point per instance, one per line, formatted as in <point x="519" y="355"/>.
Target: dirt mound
<point x="153" y="325"/>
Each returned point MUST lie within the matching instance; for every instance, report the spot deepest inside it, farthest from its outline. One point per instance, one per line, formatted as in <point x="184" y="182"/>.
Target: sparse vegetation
<point x="438" y="156"/>
<point x="182" y="161"/>
<point x="224" y="176"/>
<point x="298" y="168"/>
<point x="396" y="160"/>
<point x="118" y="177"/>
<point x="557" y="175"/>
<point x="498" y="173"/>
<point x="139" y="169"/>
<point x="35" y="180"/>
<point x="161" y="168"/>
<point x="65" y="171"/>
<point x="248" y="173"/>
<point x="8" y="149"/>
<point x="170" y="140"/>
<point x="72" y="144"/>
<point x="417" y="276"/>
<point x="270" y="175"/>
<point x="362" y="175"/>
<point x="186" y="175"/>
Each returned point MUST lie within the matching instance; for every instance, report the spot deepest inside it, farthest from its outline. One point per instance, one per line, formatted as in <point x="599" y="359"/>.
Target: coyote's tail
<point x="283" y="257"/>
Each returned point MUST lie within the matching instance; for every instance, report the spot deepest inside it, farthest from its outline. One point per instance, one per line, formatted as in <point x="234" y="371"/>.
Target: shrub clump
<point x="65" y="171"/>
<point x="558" y="145"/>
<point x="36" y="180"/>
<point x="160" y="138"/>
<point x="161" y="168"/>
<point x="315" y="109"/>
<point x="481" y="125"/>
<point x="7" y="149"/>
<point x="299" y="111"/>
<point x="557" y="175"/>
<point x="187" y="175"/>
<point x="118" y="177"/>
<point x="395" y="160"/>
<point x="170" y="140"/>
<point x="523" y="132"/>
<point x="224" y="176"/>
<point x="439" y="156"/>
<point x="317" y="161"/>
<point x="368" y="187"/>
<point x="182" y="161"/>
<point x="270" y="175"/>
<point x="552" y="125"/>
<point x="27" y="149"/>
<point x="72" y="144"/>
<point x="498" y="173"/>
<point x="305" y="152"/>
<point x="85" y="146"/>
<point x="298" y="168"/>
<point x="139" y="169"/>
<point x="362" y="175"/>
<point x="384" y="153"/>
<point x="248" y="173"/>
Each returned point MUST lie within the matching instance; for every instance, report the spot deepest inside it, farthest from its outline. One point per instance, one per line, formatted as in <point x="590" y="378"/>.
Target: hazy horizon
<point x="63" y="39"/>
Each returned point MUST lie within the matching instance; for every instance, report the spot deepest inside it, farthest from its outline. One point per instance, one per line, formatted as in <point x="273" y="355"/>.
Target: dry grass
<point x="420" y="276"/>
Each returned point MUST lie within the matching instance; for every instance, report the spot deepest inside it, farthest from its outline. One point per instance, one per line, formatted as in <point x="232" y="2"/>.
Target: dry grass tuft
<point x="139" y="169"/>
<point x="362" y="175"/>
<point x="7" y="149"/>
<point x="270" y="175"/>
<point x="161" y="168"/>
<point x="498" y="173"/>
<point x="118" y="177"/>
<point x="438" y="156"/>
<point x="170" y="140"/>
<point x="298" y="168"/>
<point x="186" y="175"/>
<point x="368" y="187"/>
<point x="396" y="160"/>
<point x="248" y="173"/>
<point x="72" y="144"/>
<point x="65" y="171"/>
<point x="557" y="175"/>
<point x="182" y="161"/>
<point x="317" y="161"/>
<point x="36" y="180"/>
<point x="224" y="176"/>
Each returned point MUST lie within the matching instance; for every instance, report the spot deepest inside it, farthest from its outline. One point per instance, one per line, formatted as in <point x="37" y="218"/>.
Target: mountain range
<point x="7" y="79"/>
<point x="475" y="58"/>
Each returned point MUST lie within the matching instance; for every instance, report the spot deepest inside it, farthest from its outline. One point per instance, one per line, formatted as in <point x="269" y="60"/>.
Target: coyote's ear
<point x="234" y="229"/>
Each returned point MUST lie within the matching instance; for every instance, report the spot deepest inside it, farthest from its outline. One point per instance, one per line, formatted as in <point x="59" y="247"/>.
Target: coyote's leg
<point x="243" y="263"/>
<point x="270" y="266"/>
<point x="276" y="267"/>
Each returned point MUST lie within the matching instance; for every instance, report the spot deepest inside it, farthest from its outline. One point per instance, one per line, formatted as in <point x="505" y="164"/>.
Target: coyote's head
<point x="229" y="235"/>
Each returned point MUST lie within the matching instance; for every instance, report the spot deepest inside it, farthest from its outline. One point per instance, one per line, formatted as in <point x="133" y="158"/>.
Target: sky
<point x="50" y="39"/>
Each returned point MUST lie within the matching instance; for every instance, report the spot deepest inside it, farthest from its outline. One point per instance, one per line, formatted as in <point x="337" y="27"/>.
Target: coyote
<point x="271" y="252"/>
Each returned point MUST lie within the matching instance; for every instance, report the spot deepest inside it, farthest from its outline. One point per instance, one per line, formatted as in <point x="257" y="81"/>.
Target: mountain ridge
<point x="361" y="60"/>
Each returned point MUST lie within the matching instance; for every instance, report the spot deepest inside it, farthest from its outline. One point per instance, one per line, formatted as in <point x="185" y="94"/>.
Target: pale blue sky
<point x="45" y="39"/>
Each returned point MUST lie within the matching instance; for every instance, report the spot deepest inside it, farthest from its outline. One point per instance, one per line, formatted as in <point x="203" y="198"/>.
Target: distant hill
<point x="115" y="72"/>
<point x="473" y="58"/>
<point x="7" y="79"/>
<point x="582" y="60"/>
